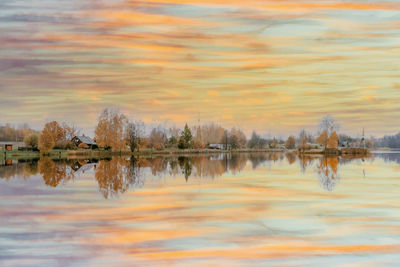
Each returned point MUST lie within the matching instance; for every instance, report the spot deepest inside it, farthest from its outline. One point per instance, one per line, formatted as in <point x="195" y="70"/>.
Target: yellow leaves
<point x="326" y="140"/>
<point x="323" y="138"/>
<point x="333" y="140"/>
<point x="51" y="133"/>
<point x="110" y="130"/>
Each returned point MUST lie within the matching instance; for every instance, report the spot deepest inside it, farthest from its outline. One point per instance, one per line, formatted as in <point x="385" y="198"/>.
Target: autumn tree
<point x="31" y="140"/>
<point x="70" y="130"/>
<point x="333" y="140"/>
<point x="236" y="138"/>
<point x="290" y="143"/>
<point x="197" y="140"/>
<point x="111" y="130"/>
<point x="158" y="138"/>
<point x="134" y="134"/>
<point x="326" y="127"/>
<point x="323" y="139"/>
<point x="51" y="134"/>
<point x="212" y="133"/>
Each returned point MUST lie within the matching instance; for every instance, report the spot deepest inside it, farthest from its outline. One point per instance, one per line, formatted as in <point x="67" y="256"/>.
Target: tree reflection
<point x="116" y="175"/>
<point x="237" y="163"/>
<point x="22" y="169"/>
<point x="291" y="158"/>
<point x="135" y="176"/>
<point x="53" y="173"/>
<point x="31" y="167"/>
<point x="111" y="178"/>
<point x="327" y="172"/>
<point x="209" y="167"/>
<point x="186" y="166"/>
<point x="305" y="161"/>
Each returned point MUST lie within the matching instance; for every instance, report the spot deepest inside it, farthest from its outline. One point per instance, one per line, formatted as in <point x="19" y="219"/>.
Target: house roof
<point x="86" y="139"/>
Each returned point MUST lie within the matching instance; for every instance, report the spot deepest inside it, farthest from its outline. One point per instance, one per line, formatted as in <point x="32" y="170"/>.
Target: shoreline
<point x="66" y="154"/>
<point x="63" y="154"/>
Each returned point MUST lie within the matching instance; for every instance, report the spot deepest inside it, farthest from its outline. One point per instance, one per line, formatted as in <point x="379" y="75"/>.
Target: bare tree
<point x="70" y="130"/>
<point x="134" y="134"/>
<point x="329" y="124"/>
<point x="303" y="139"/>
<point x="158" y="138"/>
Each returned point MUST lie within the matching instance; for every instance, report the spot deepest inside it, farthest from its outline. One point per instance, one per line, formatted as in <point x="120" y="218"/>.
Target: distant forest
<point x="12" y="133"/>
<point x="15" y="134"/>
<point x="392" y="141"/>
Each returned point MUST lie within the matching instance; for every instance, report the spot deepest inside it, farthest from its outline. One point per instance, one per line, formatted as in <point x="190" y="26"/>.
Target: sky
<point x="274" y="66"/>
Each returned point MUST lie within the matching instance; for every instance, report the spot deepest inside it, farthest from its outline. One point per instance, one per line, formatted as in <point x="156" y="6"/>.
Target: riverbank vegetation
<point x="115" y="133"/>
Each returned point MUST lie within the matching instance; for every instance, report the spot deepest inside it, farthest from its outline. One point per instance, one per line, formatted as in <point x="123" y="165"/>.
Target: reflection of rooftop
<point x="85" y="168"/>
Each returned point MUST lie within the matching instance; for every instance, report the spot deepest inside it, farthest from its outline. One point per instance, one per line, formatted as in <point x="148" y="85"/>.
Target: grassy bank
<point x="107" y="153"/>
<point x="336" y="152"/>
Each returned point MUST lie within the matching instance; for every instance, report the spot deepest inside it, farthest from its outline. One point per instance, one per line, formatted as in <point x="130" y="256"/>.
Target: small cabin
<point x="79" y="139"/>
<point x="9" y="146"/>
<point x="219" y="146"/>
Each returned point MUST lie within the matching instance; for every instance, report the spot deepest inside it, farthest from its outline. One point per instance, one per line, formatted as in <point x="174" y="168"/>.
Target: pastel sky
<point x="273" y="66"/>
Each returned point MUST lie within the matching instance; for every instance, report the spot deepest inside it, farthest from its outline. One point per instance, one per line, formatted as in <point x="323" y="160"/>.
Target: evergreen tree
<point x="187" y="136"/>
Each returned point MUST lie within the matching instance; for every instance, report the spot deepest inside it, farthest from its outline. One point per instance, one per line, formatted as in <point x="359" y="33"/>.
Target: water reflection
<point x="327" y="172"/>
<point x="54" y="173"/>
<point x="118" y="175"/>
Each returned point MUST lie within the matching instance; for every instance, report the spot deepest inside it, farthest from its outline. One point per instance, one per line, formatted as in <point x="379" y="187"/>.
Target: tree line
<point x="114" y="131"/>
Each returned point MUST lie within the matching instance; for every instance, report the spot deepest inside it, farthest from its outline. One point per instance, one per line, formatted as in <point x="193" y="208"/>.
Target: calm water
<point x="239" y="210"/>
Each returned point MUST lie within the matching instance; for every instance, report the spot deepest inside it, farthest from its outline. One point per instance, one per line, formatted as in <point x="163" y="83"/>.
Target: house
<point x="9" y="146"/>
<point x="219" y="146"/>
<point x="79" y="139"/>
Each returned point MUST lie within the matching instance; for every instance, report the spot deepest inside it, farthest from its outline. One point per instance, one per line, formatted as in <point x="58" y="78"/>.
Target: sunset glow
<point x="272" y="66"/>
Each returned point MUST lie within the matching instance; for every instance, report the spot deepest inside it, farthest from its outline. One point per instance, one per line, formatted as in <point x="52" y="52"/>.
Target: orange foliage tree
<point x="111" y="129"/>
<point x="323" y="139"/>
<point x="290" y="143"/>
<point x="333" y="140"/>
<point x="51" y="133"/>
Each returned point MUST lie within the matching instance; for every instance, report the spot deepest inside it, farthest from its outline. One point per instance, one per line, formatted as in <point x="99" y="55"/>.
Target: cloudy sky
<point x="273" y="65"/>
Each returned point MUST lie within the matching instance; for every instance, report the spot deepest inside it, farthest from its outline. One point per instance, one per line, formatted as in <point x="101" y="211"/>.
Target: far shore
<point x="87" y="153"/>
<point x="109" y="153"/>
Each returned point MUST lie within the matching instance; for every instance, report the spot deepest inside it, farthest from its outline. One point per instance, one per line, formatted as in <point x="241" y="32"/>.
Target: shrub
<point x="31" y="141"/>
<point x="83" y="145"/>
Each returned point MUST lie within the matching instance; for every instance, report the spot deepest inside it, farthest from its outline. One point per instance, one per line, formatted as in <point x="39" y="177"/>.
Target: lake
<point x="254" y="209"/>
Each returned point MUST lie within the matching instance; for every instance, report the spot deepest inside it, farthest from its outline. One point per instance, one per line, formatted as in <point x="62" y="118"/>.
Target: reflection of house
<point x="219" y="146"/>
<point x="79" y="139"/>
<point x="80" y="164"/>
<point x="8" y="146"/>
